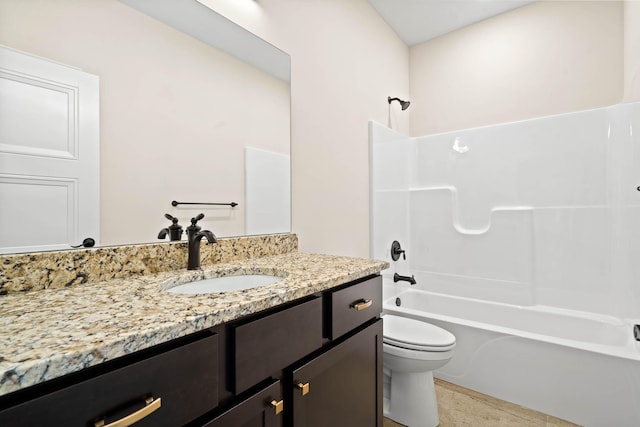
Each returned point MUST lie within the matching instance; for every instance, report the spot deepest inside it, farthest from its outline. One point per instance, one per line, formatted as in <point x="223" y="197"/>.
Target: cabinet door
<point x="343" y="386"/>
<point x="262" y="409"/>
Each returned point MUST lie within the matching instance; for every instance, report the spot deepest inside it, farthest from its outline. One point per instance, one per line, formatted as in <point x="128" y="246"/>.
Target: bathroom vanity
<point x="310" y="357"/>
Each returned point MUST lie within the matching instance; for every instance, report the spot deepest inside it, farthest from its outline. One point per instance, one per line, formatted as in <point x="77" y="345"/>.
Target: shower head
<point x="403" y="104"/>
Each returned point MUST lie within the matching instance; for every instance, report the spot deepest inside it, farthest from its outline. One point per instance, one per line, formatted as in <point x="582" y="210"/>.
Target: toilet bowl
<point x="412" y="350"/>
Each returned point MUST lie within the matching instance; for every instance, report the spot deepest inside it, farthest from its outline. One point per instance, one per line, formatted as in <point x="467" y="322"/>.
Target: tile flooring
<point x="461" y="407"/>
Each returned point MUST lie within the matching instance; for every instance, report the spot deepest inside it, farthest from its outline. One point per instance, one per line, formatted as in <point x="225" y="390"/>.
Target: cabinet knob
<point x="151" y="406"/>
<point x="304" y="388"/>
<point x="278" y="406"/>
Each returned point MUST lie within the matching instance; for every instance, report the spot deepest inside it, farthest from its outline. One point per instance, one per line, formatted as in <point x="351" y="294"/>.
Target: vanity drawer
<point x="262" y="347"/>
<point x="349" y="307"/>
<point x="177" y="385"/>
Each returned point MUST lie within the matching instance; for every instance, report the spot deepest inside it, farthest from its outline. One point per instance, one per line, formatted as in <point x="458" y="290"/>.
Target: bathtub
<point x="574" y="365"/>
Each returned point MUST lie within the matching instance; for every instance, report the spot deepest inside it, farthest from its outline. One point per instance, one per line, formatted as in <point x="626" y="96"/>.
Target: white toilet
<point x="412" y="350"/>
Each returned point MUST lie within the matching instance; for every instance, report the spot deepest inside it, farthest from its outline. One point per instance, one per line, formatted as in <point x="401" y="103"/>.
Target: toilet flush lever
<point x="396" y="251"/>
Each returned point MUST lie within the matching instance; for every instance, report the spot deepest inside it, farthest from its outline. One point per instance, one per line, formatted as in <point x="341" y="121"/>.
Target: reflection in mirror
<point x="176" y="115"/>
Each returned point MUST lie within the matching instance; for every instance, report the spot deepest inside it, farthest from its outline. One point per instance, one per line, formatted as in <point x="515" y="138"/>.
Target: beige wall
<point x="343" y="73"/>
<point x="632" y="50"/>
<point x="544" y="58"/>
<point x="345" y="62"/>
<point x="175" y="114"/>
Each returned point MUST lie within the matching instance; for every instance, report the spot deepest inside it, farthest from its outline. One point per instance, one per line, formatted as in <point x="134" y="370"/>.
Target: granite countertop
<point x="49" y="333"/>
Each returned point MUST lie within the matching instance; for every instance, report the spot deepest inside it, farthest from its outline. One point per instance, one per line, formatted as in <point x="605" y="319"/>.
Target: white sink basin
<point x="225" y="284"/>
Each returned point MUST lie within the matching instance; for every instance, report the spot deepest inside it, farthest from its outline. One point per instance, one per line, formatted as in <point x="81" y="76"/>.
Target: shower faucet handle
<point x="396" y="251"/>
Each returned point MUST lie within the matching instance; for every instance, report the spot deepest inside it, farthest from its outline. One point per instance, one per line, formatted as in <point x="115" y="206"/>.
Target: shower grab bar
<point x="232" y="204"/>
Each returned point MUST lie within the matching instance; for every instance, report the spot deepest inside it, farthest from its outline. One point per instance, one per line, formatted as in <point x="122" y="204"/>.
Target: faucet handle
<point x="396" y="251"/>
<point x="193" y="228"/>
<point x="173" y="219"/>
<point x="174" y="230"/>
<point x="196" y="219"/>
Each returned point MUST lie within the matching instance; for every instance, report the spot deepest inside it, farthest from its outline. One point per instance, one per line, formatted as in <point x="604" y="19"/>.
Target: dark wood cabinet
<point x="314" y="362"/>
<point x="261" y="409"/>
<point x="168" y="389"/>
<point x="349" y="306"/>
<point x="267" y="344"/>
<point x="343" y="385"/>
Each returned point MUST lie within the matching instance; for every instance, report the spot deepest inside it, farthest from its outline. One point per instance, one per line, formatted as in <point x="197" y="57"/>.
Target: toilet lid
<point x="414" y="334"/>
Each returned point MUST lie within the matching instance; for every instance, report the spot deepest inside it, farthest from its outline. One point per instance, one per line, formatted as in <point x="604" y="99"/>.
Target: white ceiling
<point x="416" y="21"/>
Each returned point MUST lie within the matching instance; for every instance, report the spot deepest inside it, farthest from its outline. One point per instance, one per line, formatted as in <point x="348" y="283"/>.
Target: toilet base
<point x="412" y="399"/>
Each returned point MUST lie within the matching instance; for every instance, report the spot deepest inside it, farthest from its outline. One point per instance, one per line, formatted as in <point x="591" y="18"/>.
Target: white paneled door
<point x="49" y="154"/>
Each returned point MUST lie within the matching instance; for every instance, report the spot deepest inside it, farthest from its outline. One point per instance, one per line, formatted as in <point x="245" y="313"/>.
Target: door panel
<point x="59" y="197"/>
<point x="29" y="101"/>
<point x="49" y="154"/>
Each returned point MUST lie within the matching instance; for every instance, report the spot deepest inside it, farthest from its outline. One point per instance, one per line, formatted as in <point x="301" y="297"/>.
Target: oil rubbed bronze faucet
<point x="195" y="235"/>
<point x="398" y="278"/>
<point x="174" y="230"/>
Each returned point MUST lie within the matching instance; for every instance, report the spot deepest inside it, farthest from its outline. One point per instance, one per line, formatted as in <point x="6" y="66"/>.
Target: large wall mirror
<point x="192" y="108"/>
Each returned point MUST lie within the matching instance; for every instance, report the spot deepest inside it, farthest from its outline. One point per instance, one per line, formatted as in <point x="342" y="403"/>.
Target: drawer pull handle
<point x="304" y="388"/>
<point x="278" y="406"/>
<point x="152" y="405"/>
<point x="361" y="304"/>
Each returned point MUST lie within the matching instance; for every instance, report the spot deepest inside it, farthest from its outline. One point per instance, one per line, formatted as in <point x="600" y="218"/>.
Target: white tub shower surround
<point x="524" y="239"/>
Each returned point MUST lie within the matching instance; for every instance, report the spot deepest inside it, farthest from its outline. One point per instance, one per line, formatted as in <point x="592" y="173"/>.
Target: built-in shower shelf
<point x="456" y="215"/>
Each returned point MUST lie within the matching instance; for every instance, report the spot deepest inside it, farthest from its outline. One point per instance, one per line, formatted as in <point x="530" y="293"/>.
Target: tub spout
<point x="398" y="278"/>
